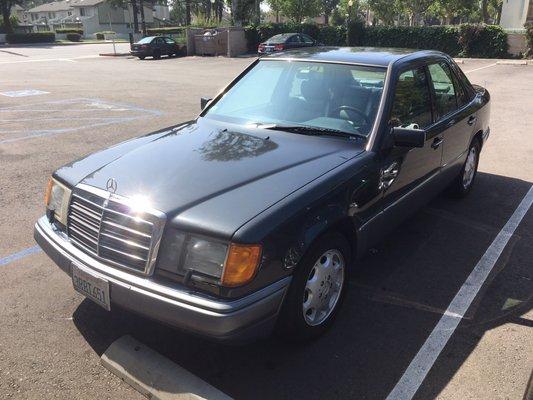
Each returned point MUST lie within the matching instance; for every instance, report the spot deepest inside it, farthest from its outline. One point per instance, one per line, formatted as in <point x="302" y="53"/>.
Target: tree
<point x="7" y="21"/>
<point x="275" y="6"/>
<point x="327" y="7"/>
<point x="385" y="10"/>
<point x="448" y="9"/>
<point x="297" y="10"/>
<point x="415" y="9"/>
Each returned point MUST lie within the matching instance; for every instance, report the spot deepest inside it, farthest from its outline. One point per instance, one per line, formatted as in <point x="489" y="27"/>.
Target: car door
<point x="454" y="114"/>
<point x="408" y="175"/>
<point x="293" y="42"/>
<point x="158" y="44"/>
<point x="306" y="40"/>
<point x="170" y="46"/>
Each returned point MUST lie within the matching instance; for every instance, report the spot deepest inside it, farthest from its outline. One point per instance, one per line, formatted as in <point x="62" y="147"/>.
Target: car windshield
<point x="281" y="38"/>
<point x="146" y="40"/>
<point x="310" y="94"/>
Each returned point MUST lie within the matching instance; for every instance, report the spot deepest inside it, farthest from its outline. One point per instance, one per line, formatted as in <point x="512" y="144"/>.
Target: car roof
<point x="377" y="56"/>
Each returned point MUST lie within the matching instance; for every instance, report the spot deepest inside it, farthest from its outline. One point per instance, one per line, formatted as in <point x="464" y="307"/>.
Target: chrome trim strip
<point x="377" y="119"/>
<point x="125" y="241"/>
<point x="125" y="228"/>
<point x="153" y="218"/>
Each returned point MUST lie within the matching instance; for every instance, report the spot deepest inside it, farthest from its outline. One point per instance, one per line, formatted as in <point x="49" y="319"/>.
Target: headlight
<point x="227" y="264"/>
<point x="56" y="200"/>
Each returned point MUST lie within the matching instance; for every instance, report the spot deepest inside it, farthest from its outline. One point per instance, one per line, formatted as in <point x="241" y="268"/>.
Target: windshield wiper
<point x="312" y="130"/>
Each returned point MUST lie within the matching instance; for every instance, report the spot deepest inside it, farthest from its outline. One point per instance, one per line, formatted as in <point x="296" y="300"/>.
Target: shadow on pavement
<point x="397" y="295"/>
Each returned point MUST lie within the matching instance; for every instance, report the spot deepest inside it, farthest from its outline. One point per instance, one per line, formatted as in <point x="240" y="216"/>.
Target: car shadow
<point x="398" y="292"/>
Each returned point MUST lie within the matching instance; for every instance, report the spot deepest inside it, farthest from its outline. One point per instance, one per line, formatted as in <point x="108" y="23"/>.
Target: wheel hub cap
<point x="470" y="168"/>
<point x="323" y="287"/>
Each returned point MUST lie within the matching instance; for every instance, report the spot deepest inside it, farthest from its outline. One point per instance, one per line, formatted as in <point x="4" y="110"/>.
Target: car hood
<point x="210" y="176"/>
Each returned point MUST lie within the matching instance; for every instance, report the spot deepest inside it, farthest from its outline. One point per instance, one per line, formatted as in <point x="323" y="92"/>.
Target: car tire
<point x="142" y="57"/>
<point x="317" y="289"/>
<point x="156" y="55"/>
<point x="463" y="183"/>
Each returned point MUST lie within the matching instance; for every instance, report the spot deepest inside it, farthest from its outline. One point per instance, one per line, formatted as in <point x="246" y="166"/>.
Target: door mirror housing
<point x="204" y="101"/>
<point x="408" y="137"/>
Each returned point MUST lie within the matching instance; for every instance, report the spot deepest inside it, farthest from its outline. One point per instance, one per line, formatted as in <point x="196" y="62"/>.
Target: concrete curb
<point x="153" y="375"/>
<point x="114" y="55"/>
<point x="512" y="62"/>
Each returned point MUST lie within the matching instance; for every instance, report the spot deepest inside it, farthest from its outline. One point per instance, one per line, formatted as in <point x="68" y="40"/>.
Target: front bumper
<point x="227" y="320"/>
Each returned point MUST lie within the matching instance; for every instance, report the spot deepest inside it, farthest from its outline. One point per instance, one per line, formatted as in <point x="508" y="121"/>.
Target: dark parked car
<point x="286" y="41"/>
<point x="154" y="46"/>
<point x="251" y="216"/>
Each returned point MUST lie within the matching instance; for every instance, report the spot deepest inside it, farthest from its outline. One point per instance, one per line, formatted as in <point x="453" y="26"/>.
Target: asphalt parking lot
<point x="68" y="102"/>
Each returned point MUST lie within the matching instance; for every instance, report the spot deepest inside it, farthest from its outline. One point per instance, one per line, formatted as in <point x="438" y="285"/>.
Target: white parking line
<point x="415" y="374"/>
<point x="477" y="69"/>
<point x="38" y="60"/>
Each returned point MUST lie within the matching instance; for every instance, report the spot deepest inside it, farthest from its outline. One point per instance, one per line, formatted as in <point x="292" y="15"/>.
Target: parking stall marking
<point x="422" y="363"/>
<point x="477" y="69"/>
<point x="57" y="118"/>
<point x="21" y="254"/>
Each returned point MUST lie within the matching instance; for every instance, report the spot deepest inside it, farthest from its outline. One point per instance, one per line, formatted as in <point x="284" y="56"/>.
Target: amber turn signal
<point x="241" y="264"/>
<point x="48" y="191"/>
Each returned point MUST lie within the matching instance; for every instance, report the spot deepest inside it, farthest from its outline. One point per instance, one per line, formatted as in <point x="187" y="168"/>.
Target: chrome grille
<point x="106" y="226"/>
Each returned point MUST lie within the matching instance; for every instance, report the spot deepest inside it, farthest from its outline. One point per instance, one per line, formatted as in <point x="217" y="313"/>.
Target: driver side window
<point x="411" y="105"/>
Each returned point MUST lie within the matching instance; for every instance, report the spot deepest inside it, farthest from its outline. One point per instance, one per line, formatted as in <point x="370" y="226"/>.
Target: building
<point x="19" y="13"/>
<point x="515" y="13"/>
<point x="93" y="16"/>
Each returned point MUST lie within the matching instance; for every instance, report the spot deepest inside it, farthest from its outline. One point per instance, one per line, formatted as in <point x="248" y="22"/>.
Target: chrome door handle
<point x="451" y="123"/>
<point x="436" y="143"/>
<point x="471" y="120"/>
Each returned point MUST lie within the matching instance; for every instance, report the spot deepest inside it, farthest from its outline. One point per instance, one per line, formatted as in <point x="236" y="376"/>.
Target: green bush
<point x="69" y="30"/>
<point x="74" y="37"/>
<point x="166" y="31"/>
<point x="33" y="37"/>
<point x="356" y="33"/>
<point x="441" y="38"/>
<point x="332" y="35"/>
<point x="488" y="41"/>
<point x="529" y="38"/>
<point x="101" y="35"/>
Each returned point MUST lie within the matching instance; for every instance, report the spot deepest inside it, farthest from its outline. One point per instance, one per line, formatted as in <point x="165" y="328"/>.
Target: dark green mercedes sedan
<point x="249" y="218"/>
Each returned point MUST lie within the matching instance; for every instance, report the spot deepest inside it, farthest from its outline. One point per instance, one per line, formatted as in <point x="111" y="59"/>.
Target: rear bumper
<point x="237" y="320"/>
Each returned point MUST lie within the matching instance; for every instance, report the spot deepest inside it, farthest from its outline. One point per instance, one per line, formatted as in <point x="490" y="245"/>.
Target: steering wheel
<point x="360" y="113"/>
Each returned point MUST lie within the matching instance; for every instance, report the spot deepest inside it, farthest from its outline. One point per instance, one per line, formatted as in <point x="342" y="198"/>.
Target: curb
<point x="114" y="54"/>
<point x="153" y="375"/>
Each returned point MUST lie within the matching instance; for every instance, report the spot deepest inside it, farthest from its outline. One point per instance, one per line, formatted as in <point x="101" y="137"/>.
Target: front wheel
<point x="317" y="289"/>
<point x="462" y="185"/>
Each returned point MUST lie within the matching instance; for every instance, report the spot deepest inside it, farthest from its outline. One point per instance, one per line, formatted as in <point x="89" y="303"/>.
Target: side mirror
<point x="408" y="137"/>
<point x="204" y="101"/>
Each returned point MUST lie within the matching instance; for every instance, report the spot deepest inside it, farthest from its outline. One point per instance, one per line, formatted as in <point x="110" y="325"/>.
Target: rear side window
<point x="412" y="105"/>
<point x="444" y="88"/>
<point x="306" y="39"/>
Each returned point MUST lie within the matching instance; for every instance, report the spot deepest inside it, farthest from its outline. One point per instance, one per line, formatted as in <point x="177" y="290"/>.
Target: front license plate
<point x="91" y="286"/>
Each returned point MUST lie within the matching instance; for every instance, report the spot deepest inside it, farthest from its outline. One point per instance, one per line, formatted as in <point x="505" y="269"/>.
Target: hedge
<point x="166" y="31"/>
<point x="443" y="38"/>
<point x="465" y="40"/>
<point x="33" y="37"/>
<point x="529" y="37"/>
<point x="73" y="37"/>
<point x="70" y="30"/>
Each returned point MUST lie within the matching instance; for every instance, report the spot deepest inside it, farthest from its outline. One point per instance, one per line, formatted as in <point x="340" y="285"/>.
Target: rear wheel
<point x="142" y="57"/>
<point x="317" y="289"/>
<point x="464" y="182"/>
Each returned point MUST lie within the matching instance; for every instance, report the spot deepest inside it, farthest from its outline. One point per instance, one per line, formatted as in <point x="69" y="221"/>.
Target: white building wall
<point x="514" y="14"/>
